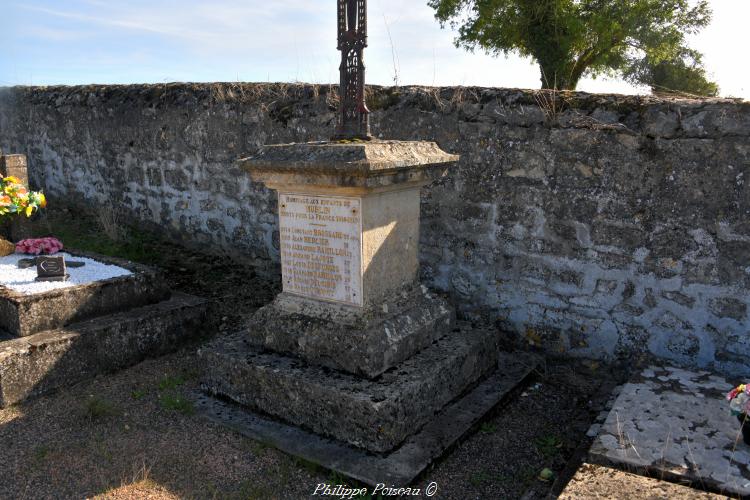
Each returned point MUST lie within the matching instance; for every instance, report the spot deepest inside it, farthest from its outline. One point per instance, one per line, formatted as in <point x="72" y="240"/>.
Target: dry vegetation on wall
<point x="595" y="225"/>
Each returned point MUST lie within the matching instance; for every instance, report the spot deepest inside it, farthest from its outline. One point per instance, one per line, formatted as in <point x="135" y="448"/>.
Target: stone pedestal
<point x="354" y="349"/>
<point x="349" y="236"/>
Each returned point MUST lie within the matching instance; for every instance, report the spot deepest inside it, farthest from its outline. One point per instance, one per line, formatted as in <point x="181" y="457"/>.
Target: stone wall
<point x="594" y="225"/>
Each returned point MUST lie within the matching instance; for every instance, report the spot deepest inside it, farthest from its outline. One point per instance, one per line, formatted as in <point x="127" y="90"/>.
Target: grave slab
<point x="23" y="313"/>
<point x="376" y="415"/>
<point x="39" y="363"/>
<point x="675" y="424"/>
<point x="399" y="467"/>
<point x="594" y="482"/>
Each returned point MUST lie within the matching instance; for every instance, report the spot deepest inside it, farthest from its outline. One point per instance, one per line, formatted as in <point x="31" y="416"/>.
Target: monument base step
<point x="377" y="415"/>
<point x="398" y="467"/>
<point x="36" y="364"/>
<point x="365" y="342"/>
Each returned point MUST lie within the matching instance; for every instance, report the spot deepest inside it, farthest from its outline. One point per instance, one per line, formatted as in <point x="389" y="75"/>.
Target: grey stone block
<point x="365" y="341"/>
<point x="22" y="315"/>
<point x="675" y="424"/>
<point x="376" y="415"/>
<point x="36" y="364"/>
<point x="405" y="463"/>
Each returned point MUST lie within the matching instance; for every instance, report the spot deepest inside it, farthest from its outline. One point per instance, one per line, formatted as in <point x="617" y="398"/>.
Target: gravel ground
<point x="134" y="434"/>
<point x="23" y="280"/>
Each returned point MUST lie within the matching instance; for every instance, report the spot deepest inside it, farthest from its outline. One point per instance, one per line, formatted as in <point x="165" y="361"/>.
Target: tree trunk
<point x="558" y="78"/>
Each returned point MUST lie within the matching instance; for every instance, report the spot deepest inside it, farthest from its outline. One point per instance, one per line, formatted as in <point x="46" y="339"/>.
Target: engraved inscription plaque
<point x="321" y="247"/>
<point x="51" y="269"/>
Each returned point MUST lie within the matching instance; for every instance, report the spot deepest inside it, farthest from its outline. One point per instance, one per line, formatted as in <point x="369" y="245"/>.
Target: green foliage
<point x="97" y="408"/>
<point x="573" y="38"/>
<point x="681" y="75"/>
<point x="478" y="478"/>
<point x="40" y="454"/>
<point x="138" y="394"/>
<point x="549" y="446"/>
<point x="488" y="428"/>
<point x="171" y="382"/>
<point x="138" y="247"/>
<point x="177" y="402"/>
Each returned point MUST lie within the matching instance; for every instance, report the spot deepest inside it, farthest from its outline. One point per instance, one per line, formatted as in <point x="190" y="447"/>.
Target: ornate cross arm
<point x="353" y="115"/>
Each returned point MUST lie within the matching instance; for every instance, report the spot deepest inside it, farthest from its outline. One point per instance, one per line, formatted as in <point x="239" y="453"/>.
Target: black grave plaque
<point x="51" y="269"/>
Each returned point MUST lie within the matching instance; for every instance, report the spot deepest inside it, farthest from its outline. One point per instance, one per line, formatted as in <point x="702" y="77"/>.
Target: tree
<point x="573" y="38"/>
<point x="681" y="75"/>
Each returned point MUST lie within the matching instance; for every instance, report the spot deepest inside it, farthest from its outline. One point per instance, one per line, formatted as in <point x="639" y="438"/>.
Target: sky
<point x="49" y="42"/>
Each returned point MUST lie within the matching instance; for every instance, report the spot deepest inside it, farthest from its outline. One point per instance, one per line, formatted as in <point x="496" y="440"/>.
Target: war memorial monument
<point x="355" y="365"/>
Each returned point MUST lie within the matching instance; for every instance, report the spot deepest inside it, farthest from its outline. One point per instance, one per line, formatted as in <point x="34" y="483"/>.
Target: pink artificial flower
<point x="36" y="246"/>
<point x="732" y="394"/>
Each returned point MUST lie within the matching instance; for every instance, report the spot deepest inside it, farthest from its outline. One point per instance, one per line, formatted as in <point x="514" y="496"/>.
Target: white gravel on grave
<point x="22" y="280"/>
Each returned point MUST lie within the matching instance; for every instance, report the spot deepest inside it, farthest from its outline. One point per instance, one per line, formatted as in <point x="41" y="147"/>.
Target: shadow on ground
<point x="135" y="434"/>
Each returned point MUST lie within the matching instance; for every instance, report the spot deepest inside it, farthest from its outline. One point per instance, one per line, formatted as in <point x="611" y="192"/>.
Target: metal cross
<point x="354" y="119"/>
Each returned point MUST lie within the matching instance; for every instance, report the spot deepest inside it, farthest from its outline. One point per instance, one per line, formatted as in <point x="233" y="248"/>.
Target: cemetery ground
<point x="136" y="434"/>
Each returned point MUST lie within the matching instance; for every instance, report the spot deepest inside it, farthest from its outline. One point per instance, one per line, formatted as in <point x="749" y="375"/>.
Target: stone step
<point x="399" y="467"/>
<point x="36" y="364"/>
<point x="23" y="315"/>
<point x="367" y="342"/>
<point x="377" y="415"/>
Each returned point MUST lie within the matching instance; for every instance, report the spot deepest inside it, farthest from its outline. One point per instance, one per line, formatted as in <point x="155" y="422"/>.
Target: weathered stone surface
<point x="356" y="250"/>
<point x="376" y="415"/>
<point x="596" y="482"/>
<point x="399" y="467"/>
<point x="531" y="191"/>
<point x="15" y="165"/>
<point x="361" y="341"/>
<point x="24" y="315"/>
<point x="6" y="247"/>
<point x="359" y="165"/>
<point x="33" y="365"/>
<point x="673" y="423"/>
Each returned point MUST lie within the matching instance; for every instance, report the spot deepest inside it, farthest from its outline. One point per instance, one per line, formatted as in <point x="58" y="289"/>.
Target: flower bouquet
<point x="39" y="246"/>
<point x="16" y="200"/>
<point x="739" y="404"/>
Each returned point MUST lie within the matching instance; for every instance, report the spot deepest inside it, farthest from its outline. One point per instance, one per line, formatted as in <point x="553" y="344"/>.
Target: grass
<point x="527" y="475"/>
<point x="257" y="448"/>
<point x="549" y="446"/>
<point x="253" y="491"/>
<point x="170" y="399"/>
<point x="132" y="245"/>
<point x="307" y="465"/>
<point x="40" y="454"/>
<point x="97" y="408"/>
<point x="171" y="382"/>
<point x="478" y="478"/>
<point x="178" y="403"/>
<point x="488" y="428"/>
<point x="138" y="394"/>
